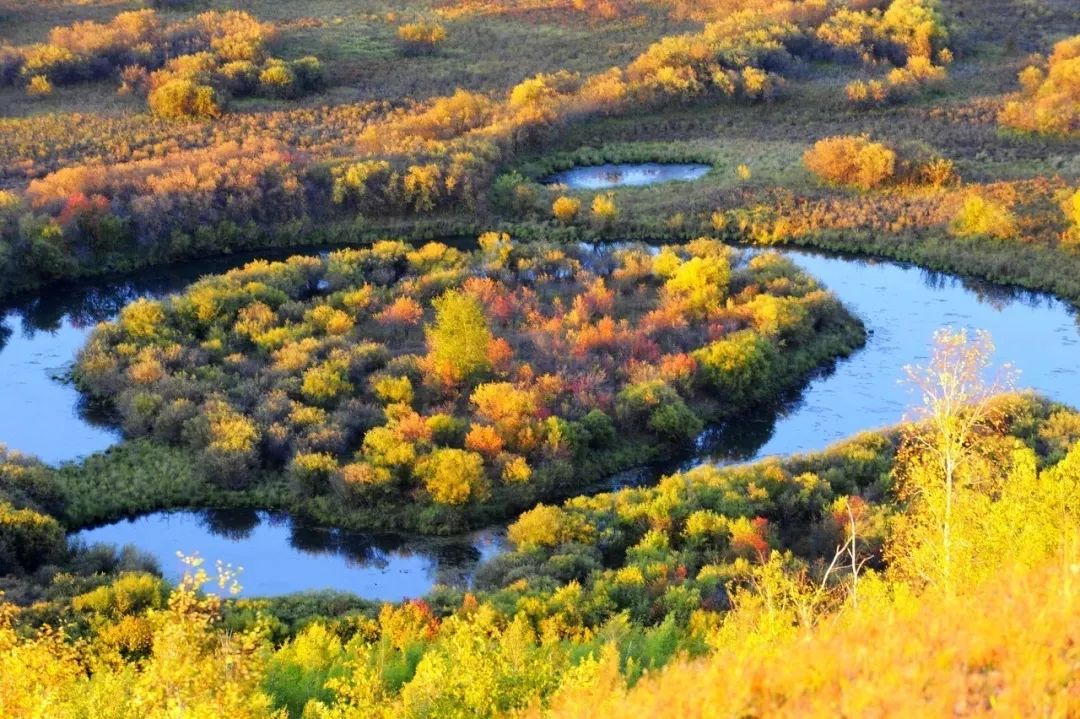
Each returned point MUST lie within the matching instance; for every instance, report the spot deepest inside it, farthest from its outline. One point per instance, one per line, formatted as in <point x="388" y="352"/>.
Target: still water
<point x="606" y="177"/>
<point x="279" y="555"/>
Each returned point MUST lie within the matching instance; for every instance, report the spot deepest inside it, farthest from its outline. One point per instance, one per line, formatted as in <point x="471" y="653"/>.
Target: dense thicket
<point x="454" y="378"/>
<point x="438" y="155"/>
<point x="749" y="566"/>
<point x="187" y="68"/>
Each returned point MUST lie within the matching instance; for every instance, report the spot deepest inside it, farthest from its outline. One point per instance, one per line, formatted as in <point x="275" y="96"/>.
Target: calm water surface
<point x="279" y="555"/>
<point x="605" y="177"/>
<point x="902" y="306"/>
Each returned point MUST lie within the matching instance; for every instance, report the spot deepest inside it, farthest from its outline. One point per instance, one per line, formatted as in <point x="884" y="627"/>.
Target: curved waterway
<point x="606" y="177"/>
<point x="902" y="306"/>
<point x="280" y="555"/>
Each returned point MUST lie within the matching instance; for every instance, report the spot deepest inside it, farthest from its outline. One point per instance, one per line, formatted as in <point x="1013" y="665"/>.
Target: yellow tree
<point x="947" y="456"/>
<point x="458" y="340"/>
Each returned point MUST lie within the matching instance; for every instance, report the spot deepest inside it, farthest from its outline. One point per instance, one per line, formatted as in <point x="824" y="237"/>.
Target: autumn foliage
<point x="855" y="161"/>
<point x="1049" y="99"/>
<point x="396" y="370"/>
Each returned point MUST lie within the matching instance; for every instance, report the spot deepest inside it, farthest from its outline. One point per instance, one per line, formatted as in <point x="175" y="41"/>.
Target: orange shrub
<point x="851" y="160"/>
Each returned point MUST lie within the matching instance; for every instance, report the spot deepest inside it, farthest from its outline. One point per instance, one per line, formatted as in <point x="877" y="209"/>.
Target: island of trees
<point x="454" y="383"/>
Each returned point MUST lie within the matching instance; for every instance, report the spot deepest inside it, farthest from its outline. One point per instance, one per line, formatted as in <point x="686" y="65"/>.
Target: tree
<point x="453" y="476"/>
<point x="458" y="340"/>
<point x="944" y="453"/>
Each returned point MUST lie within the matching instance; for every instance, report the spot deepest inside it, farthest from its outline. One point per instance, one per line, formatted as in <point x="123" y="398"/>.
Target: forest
<point x="539" y="358"/>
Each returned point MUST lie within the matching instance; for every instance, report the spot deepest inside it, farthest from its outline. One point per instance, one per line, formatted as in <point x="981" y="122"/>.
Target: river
<point x="901" y="306"/>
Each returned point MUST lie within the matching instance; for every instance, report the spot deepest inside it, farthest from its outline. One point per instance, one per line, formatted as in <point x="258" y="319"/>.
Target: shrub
<point x="699" y="284"/>
<point x="309" y="74"/>
<point x="1049" y="100"/>
<point x="420" y="37"/>
<point x="850" y="160"/>
<point x="676" y="422"/>
<point x="28" y="539"/>
<point x="566" y="209"/>
<point x="453" y="476"/>
<point x="1071" y="207"/>
<point x="740" y="366"/>
<point x="39" y="86"/>
<point x="981" y="217"/>
<point x="516" y="471"/>
<point x="129" y="593"/>
<point x="547" y="526"/>
<point x="278" y="80"/>
<point x="604" y="210"/>
<point x="312" y="472"/>
<point x="938" y="172"/>
<point x="241" y="77"/>
<point x="182" y="98"/>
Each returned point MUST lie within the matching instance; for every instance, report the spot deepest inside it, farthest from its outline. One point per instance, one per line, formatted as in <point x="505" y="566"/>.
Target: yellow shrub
<point x="604" y="210"/>
<point x="393" y="390"/>
<point x="421" y="36"/>
<point x="547" y="526"/>
<point x="453" y="476"/>
<point x="980" y="217"/>
<point x="566" y="209"/>
<point x="1049" y="101"/>
<point x="516" y="471"/>
<point x="39" y="86"/>
<point x="181" y="98"/>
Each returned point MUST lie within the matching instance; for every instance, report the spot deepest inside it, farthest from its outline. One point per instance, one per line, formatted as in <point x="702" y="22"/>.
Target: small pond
<point x="280" y="555"/>
<point x="605" y="177"/>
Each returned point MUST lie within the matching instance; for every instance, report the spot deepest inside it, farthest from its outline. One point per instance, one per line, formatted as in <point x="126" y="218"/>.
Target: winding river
<point x="901" y="305"/>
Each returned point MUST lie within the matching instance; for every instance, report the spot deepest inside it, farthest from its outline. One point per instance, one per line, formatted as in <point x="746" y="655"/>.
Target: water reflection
<point x="280" y="554"/>
<point x="902" y="306"/>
